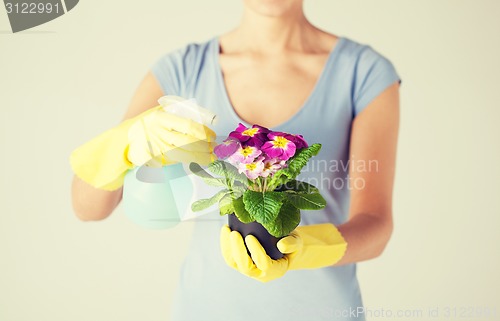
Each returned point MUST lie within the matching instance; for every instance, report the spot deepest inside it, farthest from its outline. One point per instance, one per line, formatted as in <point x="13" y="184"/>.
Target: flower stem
<point x="259" y="183"/>
<point x="265" y="184"/>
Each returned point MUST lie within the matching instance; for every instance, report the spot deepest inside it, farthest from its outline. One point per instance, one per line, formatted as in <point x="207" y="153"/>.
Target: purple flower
<point x="227" y="148"/>
<point x="298" y="140"/>
<point x="278" y="146"/>
<point x="254" y="136"/>
<point x="252" y="170"/>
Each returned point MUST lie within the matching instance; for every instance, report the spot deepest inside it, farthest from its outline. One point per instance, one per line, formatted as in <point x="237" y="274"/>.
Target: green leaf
<point x="263" y="206"/>
<point x="207" y="178"/>
<point x="287" y="220"/>
<point x="300" y="159"/>
<point x="295" y="165"/>
<point x="198" y="170"/>
<point x="226" y="205"/>
<point x="241" y="212"/>
<point x="305" y="201"/>
<point x="207" y="202"/>
<point x="237" y="190"/>
<point x="228" y="172"/>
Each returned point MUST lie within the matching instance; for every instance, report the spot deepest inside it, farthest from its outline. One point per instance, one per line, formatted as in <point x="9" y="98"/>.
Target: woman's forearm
<point x="366" y="236"/>
<point x="373" y="140"/>
<point x="92" y="204"/>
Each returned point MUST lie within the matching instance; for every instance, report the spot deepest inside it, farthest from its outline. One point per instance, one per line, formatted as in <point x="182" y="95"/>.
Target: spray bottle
<point x="159" y="197"/>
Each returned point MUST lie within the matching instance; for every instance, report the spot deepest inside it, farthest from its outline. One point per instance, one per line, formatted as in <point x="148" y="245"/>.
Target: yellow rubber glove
<point x="307" y="247"/>
<point x="260" y="266"/>
<point x="313" y="246"/>
<point x="154" y="135"/>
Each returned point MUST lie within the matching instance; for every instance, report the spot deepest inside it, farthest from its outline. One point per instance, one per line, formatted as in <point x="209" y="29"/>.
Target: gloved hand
<point x="307" y="247"/>
<point x="155" y="137"/>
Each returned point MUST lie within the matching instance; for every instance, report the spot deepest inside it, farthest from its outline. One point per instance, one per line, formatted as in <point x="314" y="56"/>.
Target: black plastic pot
<point x="267" y="241"/>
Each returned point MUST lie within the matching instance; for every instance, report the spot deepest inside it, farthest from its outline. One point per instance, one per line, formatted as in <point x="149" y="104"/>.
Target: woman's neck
<point x="268" y="35"/>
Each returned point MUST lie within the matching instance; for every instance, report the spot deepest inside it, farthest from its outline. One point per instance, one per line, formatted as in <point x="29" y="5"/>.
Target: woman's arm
<point x="91" y="204"/>
<point x="373" y="141"/>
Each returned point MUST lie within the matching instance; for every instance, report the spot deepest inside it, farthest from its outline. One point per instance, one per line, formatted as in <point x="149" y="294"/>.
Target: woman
<point x="279" y="71"/>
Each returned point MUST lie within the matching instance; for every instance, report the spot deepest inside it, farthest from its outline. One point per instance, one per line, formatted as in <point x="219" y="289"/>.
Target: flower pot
<point x="267" y="241"/>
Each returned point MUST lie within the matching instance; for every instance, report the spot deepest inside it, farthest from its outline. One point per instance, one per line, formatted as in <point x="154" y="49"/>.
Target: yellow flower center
<point x="246" y="151"/>
<point x="251" y="166"/>
<point x="250" y="132"/>
<point x="280" y="142"/>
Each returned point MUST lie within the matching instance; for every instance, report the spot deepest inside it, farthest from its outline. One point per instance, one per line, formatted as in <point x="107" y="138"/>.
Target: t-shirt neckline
<point x="334" y="53"/>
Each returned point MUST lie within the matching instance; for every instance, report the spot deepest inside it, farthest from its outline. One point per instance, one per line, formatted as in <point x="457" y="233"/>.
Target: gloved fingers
<point x="185" y="126"/>
<point x="142" y="147"/>
<point x="270" y="269"/>
<point x="161" y="145"/>
<point x="239" y="252"/>
<point x="259" y="255"/>
<point x="179" y="139"/>
<point x="199" y="151"/>
<point x="157" y="162"/>
<point x="139" y="152"/>
<point x="141" y="132"/>
<point x="183" y="156"/>
<point x="187" y="142"/>
<point x="225" y="246"/>
<point x="174" y="155"/>
<point x="291" y="243"/>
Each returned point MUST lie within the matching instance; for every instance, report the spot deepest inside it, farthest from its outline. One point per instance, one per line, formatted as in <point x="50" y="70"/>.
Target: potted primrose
<point x="257" y="170"/>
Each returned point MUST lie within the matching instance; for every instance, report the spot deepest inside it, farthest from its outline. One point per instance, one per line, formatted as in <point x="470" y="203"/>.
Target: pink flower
<point x="252" y="170"/>
<point x="255" y="136"/>
<point x="279" y="146"/>
<point x="271" y="166"/>
<point x="245" y="155"/>
<point x="228" y="147"/>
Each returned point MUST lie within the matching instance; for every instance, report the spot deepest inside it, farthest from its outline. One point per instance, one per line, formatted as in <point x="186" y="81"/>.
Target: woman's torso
<point x="208" y="289"/>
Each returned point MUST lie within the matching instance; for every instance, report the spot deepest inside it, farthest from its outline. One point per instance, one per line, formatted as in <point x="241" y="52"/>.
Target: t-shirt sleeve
<point x="175" y="70"/>
<point x="166" y="69"/>
<point x="374" y="73"/>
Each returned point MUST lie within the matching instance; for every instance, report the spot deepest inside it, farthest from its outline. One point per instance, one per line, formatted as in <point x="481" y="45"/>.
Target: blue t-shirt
<point x="354" y="74"/>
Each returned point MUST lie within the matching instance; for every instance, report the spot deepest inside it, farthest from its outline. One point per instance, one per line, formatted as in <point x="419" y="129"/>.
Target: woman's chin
<point x="273" y="8"/>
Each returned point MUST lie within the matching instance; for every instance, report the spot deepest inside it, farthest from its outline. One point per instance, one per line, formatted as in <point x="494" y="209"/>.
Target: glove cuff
<point x="102" y="162"/>
<point x="323" y="245"/>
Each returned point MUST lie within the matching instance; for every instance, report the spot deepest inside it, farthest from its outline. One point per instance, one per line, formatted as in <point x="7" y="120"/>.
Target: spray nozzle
<point x="187" y="108"/>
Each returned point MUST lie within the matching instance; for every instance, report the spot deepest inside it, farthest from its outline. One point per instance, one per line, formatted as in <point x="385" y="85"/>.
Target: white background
<point x="66" y="81"/>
